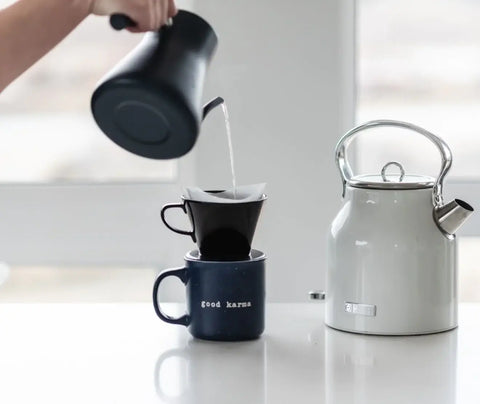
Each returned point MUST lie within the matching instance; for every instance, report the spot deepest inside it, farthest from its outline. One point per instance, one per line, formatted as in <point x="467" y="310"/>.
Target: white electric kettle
<point x="392" y="249"/>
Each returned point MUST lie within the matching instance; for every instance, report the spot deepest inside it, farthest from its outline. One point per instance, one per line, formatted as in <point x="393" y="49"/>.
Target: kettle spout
<point x="211" y="105"/>
<point x="451" y="216"/>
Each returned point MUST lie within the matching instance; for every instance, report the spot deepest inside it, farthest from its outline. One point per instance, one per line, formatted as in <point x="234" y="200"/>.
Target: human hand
<point x="149" y="15"/>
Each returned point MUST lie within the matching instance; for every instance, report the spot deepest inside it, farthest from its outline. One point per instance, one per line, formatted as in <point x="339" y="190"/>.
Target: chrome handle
<point x="346" y="171"/>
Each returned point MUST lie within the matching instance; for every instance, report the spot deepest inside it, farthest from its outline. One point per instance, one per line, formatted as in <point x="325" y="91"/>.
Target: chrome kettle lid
<point x="391" y="181"/>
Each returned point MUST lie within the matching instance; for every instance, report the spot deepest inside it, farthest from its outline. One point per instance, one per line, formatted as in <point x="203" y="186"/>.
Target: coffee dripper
<point x="222" y="231"/>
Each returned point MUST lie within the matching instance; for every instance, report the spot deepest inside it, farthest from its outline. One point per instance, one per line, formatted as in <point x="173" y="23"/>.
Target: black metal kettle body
<point x="150" y="103"/>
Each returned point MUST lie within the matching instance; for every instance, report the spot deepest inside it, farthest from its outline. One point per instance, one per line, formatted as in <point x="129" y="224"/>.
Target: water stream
<point x="230" y="148"/>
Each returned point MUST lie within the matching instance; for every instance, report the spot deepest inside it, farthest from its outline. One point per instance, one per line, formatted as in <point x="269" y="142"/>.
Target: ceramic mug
<point x="222" y="231"/>
<point x="225" y="299"/>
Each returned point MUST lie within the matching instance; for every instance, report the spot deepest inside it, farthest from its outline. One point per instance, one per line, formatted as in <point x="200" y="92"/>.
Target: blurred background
<point x="80" y="215"/>
<point x="420" y="62"/>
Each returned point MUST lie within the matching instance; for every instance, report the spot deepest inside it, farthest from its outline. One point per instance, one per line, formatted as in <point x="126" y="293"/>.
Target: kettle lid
<point x="392" y="181"/>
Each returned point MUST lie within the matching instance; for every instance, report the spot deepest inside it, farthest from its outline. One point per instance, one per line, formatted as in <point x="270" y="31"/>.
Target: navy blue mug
<point x="225" y="299"/>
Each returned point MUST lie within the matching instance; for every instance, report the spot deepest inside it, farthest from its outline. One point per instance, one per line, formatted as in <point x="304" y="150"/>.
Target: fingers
<point x="155" y="15"/>
<point x="149" y="15"/>
<point x="161" y="11"/>
<point x="167" y="11"/>
<point x="172" y="9"/>
<point x="158" y="13"/>
<point x="143" y="13"/>
<point x="161" y="18"/>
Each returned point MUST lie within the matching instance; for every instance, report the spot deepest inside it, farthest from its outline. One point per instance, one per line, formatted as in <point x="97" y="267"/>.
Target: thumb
<point x="172" y="8"/>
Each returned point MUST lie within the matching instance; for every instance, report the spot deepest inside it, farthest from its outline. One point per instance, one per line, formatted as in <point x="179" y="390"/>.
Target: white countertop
<point x="122" y="353"/>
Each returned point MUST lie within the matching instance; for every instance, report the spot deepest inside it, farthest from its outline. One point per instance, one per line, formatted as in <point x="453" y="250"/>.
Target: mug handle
<point x="164" y="220"/>
<point x="180" y="273"/>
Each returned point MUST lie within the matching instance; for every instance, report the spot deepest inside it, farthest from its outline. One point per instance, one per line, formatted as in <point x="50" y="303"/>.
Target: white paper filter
<point x="244" y="193"/>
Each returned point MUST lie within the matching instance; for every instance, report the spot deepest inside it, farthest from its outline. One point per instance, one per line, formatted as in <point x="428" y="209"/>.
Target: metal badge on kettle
<point x="392" y="266"/>
<point x="150" y="103"/>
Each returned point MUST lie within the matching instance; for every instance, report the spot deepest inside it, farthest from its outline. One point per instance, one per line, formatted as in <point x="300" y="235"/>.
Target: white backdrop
<point x="286" y="70"/>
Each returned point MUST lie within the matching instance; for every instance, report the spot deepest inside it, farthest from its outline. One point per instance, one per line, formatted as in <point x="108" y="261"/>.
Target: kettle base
<point x="394" y="334"/>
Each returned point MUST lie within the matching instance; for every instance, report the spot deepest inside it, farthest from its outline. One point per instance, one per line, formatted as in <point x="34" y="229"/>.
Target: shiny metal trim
<point x="392" y="163"/>
<point x="393" y="334"/>
<point x="445" y="153"/>
<point x="358" y="183"/>
<point x="451" y="216"/>
<point x="362" y="309"/>
<point x="316" y="295"/>
<point x="423" y="182"/>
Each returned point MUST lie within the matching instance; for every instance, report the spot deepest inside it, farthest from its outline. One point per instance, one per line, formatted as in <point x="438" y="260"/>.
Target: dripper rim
<point x="254" y="256"/>
<point x="263" y="198"/>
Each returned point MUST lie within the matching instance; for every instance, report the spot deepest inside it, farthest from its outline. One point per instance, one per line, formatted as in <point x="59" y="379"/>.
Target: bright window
<point x="47" y="131"/>
<point x="419" y="61"/>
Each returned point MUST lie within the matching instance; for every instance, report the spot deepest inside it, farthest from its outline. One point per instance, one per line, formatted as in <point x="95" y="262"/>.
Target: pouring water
<point x="230" y="148"/>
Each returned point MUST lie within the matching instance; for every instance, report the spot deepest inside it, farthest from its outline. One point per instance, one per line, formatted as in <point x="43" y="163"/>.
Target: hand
<point x="149" y="15"/>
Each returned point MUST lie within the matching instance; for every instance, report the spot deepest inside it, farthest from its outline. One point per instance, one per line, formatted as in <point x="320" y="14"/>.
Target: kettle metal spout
<point x="451" y="216"/>
<point x="211" y="105"/>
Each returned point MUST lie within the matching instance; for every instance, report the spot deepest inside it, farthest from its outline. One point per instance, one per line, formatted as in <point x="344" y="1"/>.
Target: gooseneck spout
<point x="451" y="216"/>
<point x="211" y="105"/>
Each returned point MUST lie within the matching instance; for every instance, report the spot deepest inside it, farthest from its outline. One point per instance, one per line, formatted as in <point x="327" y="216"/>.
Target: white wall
<point x="286" y="71"/>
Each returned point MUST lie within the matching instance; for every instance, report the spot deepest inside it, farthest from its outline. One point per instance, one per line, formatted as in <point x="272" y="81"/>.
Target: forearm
<point x="31" y="28"/>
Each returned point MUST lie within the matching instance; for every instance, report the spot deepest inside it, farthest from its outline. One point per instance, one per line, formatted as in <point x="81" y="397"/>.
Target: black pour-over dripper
<point x="222" y="231"/>
<point x="150" y="103"/>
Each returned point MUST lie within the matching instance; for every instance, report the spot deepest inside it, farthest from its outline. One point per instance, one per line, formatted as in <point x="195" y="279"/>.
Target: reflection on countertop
<point x="377" y="369"/>
<point x="121" y="353"/>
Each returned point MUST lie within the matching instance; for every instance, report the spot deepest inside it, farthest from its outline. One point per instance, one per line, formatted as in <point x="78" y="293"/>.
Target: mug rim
<point x="185" y="199"/>
<point x="189" y="256"/>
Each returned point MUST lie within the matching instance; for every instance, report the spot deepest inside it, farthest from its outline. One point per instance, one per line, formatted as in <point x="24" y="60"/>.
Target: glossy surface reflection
<point x="212" y="372"/>
<point x="374" y="369"/>
<point x="121" y="353"/>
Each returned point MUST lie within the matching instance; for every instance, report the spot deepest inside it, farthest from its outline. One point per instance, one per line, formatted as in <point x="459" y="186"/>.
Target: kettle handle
<point x="346" y="171"/>
<point x="122" y="21"/>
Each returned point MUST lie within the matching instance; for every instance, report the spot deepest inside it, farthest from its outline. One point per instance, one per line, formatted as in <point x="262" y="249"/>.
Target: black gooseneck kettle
<point x="150" y="103"/>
